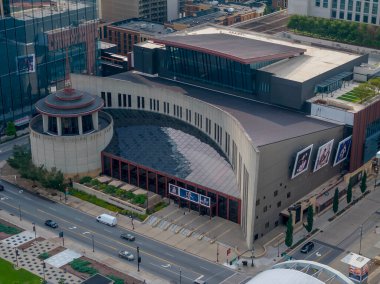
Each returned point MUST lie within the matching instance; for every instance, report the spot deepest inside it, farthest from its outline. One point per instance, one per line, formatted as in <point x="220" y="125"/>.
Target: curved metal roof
<point x="237" y="48"/>
<point x="171" y="146"/>
<point x="301" y="272"/>
<point x="69" y="103"/>
<point x="284" y="276"/>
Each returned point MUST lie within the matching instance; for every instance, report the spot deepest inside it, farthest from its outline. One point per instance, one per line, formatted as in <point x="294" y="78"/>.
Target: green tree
<point x="349" y="192"/>
<point x="336" y="201"/>
<point x="310" y="220"/>
<point x="363" y="184"/>
<point x="61" y="281"/>
<point x="11" y="129"/>
<point x="289" y="232"/>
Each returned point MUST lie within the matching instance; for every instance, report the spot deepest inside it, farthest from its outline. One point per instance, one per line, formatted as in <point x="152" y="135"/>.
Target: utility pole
<point x="138" y="259"/>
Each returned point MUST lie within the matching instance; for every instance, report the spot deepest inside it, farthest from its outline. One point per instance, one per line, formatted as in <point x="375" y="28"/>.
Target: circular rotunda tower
<point x="70" y="132"/>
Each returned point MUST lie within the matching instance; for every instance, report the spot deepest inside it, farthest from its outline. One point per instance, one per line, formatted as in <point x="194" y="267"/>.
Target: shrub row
<point x="82" y="266"/>
<point x="9" y="230"/>
<point x="114" y="191"/>
<point x="337" y="30"/>
<point x="101" y="203"/>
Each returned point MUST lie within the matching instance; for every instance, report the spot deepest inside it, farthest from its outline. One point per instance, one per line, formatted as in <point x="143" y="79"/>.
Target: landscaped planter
<point x="110" y="199"/>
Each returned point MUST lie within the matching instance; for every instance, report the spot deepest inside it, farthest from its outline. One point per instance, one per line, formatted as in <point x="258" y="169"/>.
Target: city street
<point x="157" y="258"/>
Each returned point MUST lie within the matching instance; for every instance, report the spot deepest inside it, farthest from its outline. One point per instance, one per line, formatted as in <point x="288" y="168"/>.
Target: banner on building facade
<point x="189" y="195"/>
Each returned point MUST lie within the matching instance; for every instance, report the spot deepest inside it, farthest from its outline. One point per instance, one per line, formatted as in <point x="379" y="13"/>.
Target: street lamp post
<point x="93" y="243"/>
<point x="34" y="230"/>
<point x="180" y="275"/>
<point x="19" y="210"/>
<point x="278" y="249"/>
<point x="133" y="226"/>
<point x="138" y="259"/>
<point x="253" y="249"/>
<point x="217" y="252"/>
<point x="16" y="252"/>
<point x="43" y="269"/>
<point x="377" y="168"/>
<point x="361" y="235"/>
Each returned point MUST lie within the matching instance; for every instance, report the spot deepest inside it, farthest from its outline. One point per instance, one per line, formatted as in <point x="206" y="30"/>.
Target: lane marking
<point x="225" y="269"/>
<point x="53" y="209"/>
<point x="107" y="230"/>
<point x="174" y="272"/>
<point x="169" y="254"/>
<point x="204" y="268"/>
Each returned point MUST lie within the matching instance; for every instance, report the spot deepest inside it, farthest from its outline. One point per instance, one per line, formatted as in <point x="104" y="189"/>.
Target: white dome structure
<point x="300" y="272"/>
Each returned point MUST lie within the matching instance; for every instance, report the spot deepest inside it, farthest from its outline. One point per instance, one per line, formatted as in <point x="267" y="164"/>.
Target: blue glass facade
<point x="372" y="140"/>
<point x="35" y="37"/>
<point x="212" y="69"/>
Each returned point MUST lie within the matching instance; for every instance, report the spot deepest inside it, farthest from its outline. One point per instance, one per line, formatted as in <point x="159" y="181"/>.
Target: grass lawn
<point x="351" y="96"/>
<point x="8" y="275"/>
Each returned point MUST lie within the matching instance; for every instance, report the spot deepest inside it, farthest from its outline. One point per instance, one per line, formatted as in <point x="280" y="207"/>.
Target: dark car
<point x="308" y="247"/>
<point x="128" y="237"/>
<point x="1" y="187"/>
<point x="51" y="224"/>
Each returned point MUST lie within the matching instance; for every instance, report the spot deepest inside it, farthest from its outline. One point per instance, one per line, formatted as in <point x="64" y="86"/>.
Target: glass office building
<point x="36" y="37"/>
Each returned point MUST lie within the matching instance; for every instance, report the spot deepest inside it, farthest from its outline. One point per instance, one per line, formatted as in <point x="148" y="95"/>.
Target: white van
<point x="107" y="219"/>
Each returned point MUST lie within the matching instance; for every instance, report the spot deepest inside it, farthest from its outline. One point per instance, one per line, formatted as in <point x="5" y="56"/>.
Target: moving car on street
<point x="128" y="237"/>
<point x="51" y="224"/>
<point x="126" y="255"/>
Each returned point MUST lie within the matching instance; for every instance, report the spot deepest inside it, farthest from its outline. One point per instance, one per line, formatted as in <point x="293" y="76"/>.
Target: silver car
<point x="126" y="255"/>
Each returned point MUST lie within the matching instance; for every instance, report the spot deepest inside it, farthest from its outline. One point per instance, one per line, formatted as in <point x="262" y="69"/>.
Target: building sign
<point x="343" y="150"/>
<point x="189" y="195"/>
<point x="22" y="120"/>
<point x="302" y="161"/>
<point x="26" y="64"/>
<point x="323" y="156"/>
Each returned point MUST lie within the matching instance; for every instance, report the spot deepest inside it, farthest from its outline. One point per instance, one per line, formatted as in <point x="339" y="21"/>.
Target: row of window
<point x="125" y="100"/>
<point x="357" y="18"/>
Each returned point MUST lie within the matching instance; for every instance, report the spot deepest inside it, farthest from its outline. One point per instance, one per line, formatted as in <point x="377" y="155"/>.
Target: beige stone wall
<point x="245" y="149"/>
<point x="117" y="10"/>
<point x="73" y="155"/>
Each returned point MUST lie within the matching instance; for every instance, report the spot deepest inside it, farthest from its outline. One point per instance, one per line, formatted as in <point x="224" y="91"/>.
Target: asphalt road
<point x="322" y="253"/>
<point x="157" y="258"/>
<point x="6" y="149"/>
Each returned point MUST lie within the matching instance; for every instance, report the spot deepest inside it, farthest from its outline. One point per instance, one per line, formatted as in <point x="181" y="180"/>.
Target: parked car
<point x="1" y="187"/>
<point x="126" y="255"/>
<point x="51" y="224"/>
<point x="308" y="247"/>
<point x="128" y="237"/>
